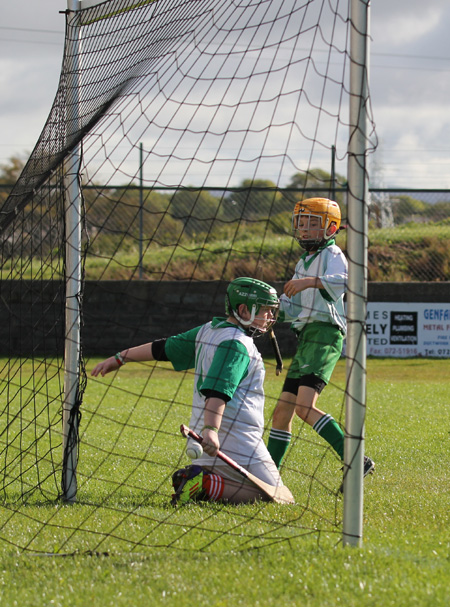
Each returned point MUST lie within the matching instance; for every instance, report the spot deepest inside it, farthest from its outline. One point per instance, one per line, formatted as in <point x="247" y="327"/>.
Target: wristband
<point x="119" y="359"/>
<point x="210" y="428"/>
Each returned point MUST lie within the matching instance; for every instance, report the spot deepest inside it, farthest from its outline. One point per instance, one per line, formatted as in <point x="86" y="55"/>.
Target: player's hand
<point x="294" y="286"/>
<point x="106" y="366"/>
<point x="211" y="443"/>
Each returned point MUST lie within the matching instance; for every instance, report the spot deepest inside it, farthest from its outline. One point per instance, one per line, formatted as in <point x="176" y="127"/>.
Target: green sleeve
<point x="228" y="368"/>
<point x="180" y="349"/>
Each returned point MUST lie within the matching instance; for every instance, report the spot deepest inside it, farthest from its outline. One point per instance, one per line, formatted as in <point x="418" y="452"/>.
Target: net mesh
<point x="204" y="121"/>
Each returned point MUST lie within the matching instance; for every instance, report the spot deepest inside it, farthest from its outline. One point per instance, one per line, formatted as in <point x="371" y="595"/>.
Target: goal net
<point x="182" y="134"/>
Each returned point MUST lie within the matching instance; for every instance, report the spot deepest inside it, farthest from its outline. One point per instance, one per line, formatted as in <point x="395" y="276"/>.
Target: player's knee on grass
<point x="196" y="484"/>
<point x="236" y="492"/>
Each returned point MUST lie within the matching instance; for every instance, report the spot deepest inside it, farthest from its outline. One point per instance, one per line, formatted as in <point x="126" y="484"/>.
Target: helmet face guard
<point x="315" y="221"/>
<point x="260" y="298"/>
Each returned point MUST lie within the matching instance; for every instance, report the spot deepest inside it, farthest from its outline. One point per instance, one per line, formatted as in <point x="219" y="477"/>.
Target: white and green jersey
<point x="319" y="305"/>
<point x="227" y="361"/>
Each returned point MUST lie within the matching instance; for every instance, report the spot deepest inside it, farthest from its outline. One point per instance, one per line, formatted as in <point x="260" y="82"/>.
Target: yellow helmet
<point x="329" y="214"/>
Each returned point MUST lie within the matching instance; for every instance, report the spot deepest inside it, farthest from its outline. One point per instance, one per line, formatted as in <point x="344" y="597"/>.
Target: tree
<point x="438" y="211"/>
<point x="254" y="200"/>
<point x="116" y="219"/>
<point x="405" y="207"/>
<point x="9" y="173"/>
<point x="197" y="209"/>
<point x="317" y="183"/>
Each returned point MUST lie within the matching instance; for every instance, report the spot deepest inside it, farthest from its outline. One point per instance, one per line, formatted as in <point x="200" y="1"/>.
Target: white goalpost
<point x="357" y="280"/>
<point x="73" y="218"/>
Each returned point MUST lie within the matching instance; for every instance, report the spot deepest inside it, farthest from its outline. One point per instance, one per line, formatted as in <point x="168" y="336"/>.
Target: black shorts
<point x="292" y="384"/>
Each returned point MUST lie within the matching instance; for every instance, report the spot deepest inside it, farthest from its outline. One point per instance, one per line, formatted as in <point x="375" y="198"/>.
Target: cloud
<point x="398" y="30"/>
<point x="409" y="78"/>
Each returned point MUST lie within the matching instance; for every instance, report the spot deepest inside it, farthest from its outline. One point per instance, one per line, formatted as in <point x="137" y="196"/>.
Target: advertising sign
<point x="408" y="329"/>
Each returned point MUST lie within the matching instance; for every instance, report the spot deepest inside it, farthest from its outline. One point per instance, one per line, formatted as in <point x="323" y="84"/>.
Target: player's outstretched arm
<point x="137" y="354"/>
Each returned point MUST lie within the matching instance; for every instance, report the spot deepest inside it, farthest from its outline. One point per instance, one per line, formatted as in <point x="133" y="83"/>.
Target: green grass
<point x="409" y="233"/>
<point x="404" y="559"/>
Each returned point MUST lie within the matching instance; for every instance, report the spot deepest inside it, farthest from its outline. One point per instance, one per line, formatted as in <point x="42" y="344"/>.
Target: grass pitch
<point x="131" y="549"/>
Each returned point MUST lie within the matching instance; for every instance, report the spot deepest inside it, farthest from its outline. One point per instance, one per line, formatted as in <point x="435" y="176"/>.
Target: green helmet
<point x="254" y="294"/>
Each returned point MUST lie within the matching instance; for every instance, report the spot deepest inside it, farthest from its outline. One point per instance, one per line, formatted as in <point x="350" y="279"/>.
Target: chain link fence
<point x="156" y="233"/>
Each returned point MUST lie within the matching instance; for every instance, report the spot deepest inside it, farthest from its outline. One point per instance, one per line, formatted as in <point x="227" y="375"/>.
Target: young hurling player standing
<point x="313" y="302"/>
<point x="228" y="400"/>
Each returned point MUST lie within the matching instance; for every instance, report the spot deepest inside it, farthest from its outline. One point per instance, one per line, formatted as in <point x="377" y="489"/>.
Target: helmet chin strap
<point x="245" y="323"/>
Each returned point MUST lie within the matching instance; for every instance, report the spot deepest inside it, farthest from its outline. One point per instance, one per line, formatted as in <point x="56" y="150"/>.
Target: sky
<point x="409" y="85"/>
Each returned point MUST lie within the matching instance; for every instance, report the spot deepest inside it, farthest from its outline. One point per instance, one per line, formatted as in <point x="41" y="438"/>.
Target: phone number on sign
<point x="400" y="352"/>
<point x="438" y="352"/>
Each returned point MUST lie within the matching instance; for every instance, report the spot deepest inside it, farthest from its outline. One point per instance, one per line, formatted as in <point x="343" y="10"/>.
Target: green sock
<point x="328" y="428"/>
<point x="278" y="444"/>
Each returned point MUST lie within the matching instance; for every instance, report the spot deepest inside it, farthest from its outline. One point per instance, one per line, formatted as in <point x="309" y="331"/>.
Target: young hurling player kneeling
<point x="313" y="302"/>
<point x="228" y="400"/>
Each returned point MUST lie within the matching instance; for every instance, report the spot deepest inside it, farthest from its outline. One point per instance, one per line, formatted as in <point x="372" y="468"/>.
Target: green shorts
<point x="319" y="348"/>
